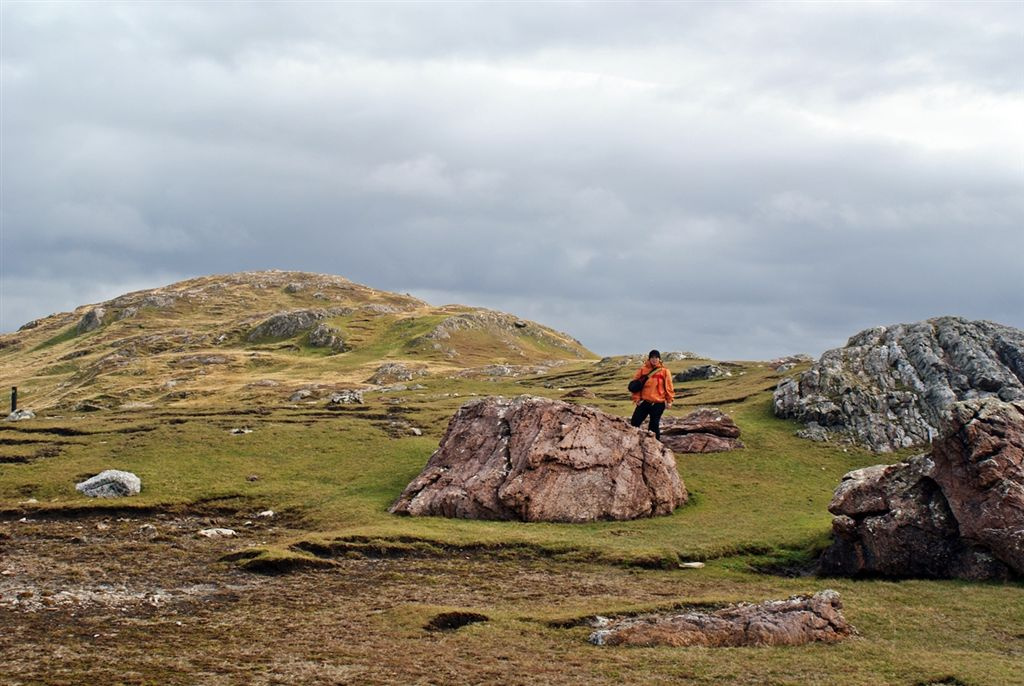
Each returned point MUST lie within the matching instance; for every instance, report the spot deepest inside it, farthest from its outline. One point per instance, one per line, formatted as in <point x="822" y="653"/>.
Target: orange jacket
<point x="658" y="388"/>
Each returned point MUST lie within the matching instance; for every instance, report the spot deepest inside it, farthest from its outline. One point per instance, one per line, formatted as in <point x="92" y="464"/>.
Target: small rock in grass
<point x="218" y="532"/>
<point x="266" y="514"/>
<point x="111" y="483"/>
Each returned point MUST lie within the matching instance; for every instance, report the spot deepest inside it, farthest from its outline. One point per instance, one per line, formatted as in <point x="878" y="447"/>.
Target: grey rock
<point x="391" y="372"/>
<point x="111" y="483"/>
<point x="347" y="397"/>
<point x="703" y="371"/>
<point x="814" y="432"/>
<point x="20" y="415"/>
<point x="218" y="532"/>
<point x="890" y="387"/>
<point x="92" y="320"/>
<point x="301" y="394"/>
<point x="285" y="325"/>
<point x="323" y="336"/>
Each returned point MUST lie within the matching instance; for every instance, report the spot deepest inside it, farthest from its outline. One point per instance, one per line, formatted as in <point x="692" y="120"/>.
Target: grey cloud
<point x="718" y="175"/>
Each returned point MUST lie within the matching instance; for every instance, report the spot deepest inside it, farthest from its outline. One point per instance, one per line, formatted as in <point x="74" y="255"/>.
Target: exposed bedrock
<point x="535" y="459"/>
<point x="890" y="386"/>
<point x="955" y="513"/>
<point x="705" y="430"/>
<point x="795" y="621"/>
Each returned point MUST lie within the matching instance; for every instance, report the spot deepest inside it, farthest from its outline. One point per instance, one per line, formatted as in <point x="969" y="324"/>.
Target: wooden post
<point x="14" y="398"/>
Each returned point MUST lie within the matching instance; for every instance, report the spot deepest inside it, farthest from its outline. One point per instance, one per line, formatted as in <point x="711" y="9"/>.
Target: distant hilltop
<point x="221" y="334"/>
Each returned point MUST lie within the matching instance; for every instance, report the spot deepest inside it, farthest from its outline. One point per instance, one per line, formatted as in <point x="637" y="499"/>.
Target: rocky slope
<point x="890" y="387"/>
<point x="245" y="333"/>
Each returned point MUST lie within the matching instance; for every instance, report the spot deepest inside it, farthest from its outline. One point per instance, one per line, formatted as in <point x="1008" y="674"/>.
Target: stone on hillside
<point x="301" y="394"/>
<point x="703" y="371"/>
<point x="111" y="483"/>
<point x="535" y="459"/>
<point x="391" y="372"/>
<point x="92" y="320"/>
<point x="706" y="430"/>
<point x="814" y="432"/>
<point x="678" y="356"/>
<point x="580" y="393"/>
<point x="503" y="327"/>
<point x="218" y="532"/>
<point x="20" y="414"/>
<point x="346" y="397"/>
<point x="796" y="621"/>
<point x="285" y="325"/>
<point x="890" y="386"/>
<point x="323" y="336"/>
<point x="958" y="512"/>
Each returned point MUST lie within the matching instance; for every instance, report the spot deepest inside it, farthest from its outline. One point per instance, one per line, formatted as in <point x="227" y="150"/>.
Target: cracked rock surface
<point x="535" y="459"/>
<point x="958" y="512"/>
<point x="795" y="621"/>
<point x="890" y="387"/>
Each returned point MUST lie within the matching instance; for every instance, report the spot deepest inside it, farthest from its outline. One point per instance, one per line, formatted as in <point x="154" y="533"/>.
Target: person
<point x="655" y="396"/>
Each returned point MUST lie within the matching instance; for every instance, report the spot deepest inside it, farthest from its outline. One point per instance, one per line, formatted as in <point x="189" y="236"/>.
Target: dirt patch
<point x="450" y="621"/>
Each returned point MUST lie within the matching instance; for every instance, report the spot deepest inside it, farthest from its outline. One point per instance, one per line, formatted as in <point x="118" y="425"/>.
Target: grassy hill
<point x="331" y="471"/>
<point x="254" y="337"/>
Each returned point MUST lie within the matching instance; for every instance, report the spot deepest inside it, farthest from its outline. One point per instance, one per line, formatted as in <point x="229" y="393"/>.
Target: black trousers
<point x="654" y="411"/>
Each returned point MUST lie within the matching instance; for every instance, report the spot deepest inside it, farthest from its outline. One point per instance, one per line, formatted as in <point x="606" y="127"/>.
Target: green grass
<point x="764" y="505"/>
<point x="66" y="335"/>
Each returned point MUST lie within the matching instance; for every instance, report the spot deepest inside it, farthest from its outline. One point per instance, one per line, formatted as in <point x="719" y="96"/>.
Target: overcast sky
<point x="744" y="180"/>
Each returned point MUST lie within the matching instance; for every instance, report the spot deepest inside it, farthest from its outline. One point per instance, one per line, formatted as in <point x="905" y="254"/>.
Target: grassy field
<point x="332" y="473"/>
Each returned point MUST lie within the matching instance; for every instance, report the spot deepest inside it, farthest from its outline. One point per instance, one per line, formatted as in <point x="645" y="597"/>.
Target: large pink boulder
<point x="534" y="459"/>
<point x="956" y="512"/>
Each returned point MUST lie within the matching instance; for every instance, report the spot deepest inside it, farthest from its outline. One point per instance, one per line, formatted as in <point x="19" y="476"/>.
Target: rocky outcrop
<point x="112" y="483"/>
<point x="285" y="325"/>
<point x="347" y="397"/>
<point x="890" y="386"/>
<point x="323" y="336"/>
<point x="796" y="621"/>
<point x="500" y="326"/>
<point x="92" y="320"/>
<point x="20" y="414"/>
<point x="706" y="430"/>
<point x="956" y="513"/>
<point x="392" y="372"/>
<point x="701" y="372"/>
<point x="979" y="466"/>
<point x="534" y="459"/>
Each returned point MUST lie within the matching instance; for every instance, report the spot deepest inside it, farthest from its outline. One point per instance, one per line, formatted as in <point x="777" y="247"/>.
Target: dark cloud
<point x="744" y="180"/>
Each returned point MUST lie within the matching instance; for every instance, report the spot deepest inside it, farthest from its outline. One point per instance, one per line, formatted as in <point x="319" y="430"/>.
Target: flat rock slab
<point x="706" y="430"/>
<point x="796" y="621"/>
<point x="534" y="459"/>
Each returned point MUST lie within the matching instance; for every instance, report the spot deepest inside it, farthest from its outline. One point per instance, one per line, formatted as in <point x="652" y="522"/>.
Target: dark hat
<point x="654" y="353"/>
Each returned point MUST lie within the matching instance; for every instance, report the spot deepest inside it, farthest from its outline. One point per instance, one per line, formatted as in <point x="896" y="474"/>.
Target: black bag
<point x="637" y="385"/>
